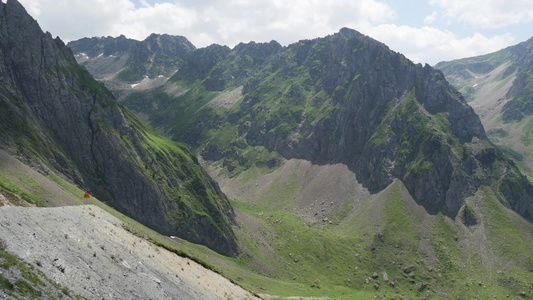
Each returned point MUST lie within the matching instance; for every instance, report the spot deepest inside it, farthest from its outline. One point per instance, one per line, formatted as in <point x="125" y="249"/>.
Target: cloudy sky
<point x="425" y="31"/>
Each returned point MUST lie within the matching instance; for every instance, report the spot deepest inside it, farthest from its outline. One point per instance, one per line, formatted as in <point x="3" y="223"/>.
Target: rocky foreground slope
<point x="91" y="252"/>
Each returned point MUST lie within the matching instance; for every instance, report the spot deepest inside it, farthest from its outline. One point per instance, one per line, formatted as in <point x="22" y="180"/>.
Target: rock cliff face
<point x="348" y="99"/>
<point x="54" y="114"/>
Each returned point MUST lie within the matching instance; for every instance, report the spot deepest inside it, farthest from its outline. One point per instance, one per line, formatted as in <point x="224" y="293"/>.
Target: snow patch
<point x="160" y="76"/>
<point x="134" y="85"/>
<point x="100" y="55"/>
<point x="474" y="85"/>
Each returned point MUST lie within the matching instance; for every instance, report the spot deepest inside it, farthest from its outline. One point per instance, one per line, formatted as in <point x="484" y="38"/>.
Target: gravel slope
<point x="88" y="250"/>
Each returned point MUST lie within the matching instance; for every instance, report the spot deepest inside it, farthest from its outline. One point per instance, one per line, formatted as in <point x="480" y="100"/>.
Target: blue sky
<point x="424" y="31"/>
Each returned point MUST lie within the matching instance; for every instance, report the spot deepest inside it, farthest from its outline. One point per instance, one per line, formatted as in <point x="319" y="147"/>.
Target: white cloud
<point x="232" y="21"/>
<point x="431" y="18"/>
<point x="225" y="22"/>
<point x="432" y="45"/>
<point x="160" y="18"/>
<point x="488" y="13"/>
<point x="75" y="19"/>
<point x="288" y="21"/>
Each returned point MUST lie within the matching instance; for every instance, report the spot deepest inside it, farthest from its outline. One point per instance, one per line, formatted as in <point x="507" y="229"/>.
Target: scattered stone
<point x="376" y="286"/>
<point x="375" y="275"/>
<point x="412" y="275"/>
<point x="409" y="269"/>
<point x="367" y="281"/>
<point x="522" y="294"/>
<point x="391" y="284"/>
<point x="385" y="276"/>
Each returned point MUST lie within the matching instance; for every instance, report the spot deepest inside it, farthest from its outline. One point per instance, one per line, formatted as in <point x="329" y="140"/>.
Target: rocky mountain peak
<point x="258" y="50"/>
<point x="199" y="63"/>
<point x="106" y="46"/>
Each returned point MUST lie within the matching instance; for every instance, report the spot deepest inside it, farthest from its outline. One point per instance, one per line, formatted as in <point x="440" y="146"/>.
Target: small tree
<point x="3" y="245"/>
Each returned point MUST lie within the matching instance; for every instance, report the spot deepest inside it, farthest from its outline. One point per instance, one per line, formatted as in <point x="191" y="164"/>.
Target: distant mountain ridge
<point x="499" y="86"/>
<point x="54" y="115"/>
<point x="344" y="99"/>
<point x="517" y="62"/>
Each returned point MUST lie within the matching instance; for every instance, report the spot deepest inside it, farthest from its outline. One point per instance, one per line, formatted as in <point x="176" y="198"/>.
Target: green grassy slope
<point x="422" y="255"/>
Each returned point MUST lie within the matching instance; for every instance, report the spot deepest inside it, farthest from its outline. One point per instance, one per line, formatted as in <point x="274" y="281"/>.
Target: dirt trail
<point x="88" y="250"/>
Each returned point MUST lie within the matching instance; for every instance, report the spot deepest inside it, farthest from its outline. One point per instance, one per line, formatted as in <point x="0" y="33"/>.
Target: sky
<point x="425" y="31"/>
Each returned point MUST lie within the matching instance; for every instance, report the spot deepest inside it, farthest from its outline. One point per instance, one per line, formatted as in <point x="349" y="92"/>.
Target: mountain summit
<point x="55" y="116"/>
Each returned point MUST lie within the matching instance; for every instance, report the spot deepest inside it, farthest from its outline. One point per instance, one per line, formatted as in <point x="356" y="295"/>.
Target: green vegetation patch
<point x="527" y="130"/>
<point x="12" y="186"/>
<point x="193" y="191"/>
<point x="423" y="136"/>
<point x="522" y="104"/>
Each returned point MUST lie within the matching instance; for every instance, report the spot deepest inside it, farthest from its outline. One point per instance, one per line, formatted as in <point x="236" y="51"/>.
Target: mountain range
<point x="332" y="167"/>
<point x="340" y="99"/>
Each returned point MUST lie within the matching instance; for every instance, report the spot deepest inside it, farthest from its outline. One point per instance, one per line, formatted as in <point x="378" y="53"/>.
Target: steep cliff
<point x="54" y="114"/>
